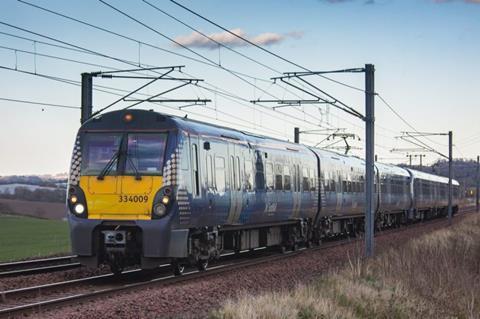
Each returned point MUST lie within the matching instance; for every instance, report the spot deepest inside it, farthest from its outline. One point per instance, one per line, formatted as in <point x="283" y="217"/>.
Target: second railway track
<point x="36" y="266"/>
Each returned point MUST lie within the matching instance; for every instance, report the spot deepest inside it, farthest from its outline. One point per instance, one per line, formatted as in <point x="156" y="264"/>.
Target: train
<point x="146" y="188"/>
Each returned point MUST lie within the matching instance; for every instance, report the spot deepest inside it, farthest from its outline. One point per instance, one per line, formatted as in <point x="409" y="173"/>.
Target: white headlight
<point x="79" y="209"/>
<point x="165" y="200"/>
<point x="159" y="210"/>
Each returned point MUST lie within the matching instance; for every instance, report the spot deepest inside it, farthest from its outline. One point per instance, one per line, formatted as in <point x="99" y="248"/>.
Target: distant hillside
<point x="39" y="180"/>
<point x="40" y="188"/>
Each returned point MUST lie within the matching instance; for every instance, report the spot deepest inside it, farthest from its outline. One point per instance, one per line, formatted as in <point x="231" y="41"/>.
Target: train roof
<point x="391" y="169"/>
<point x="331" y="155"/>
<point x="431" y="177"/>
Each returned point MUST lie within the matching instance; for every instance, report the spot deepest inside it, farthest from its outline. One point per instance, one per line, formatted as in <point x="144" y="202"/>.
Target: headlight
<point x="79" y="209"/>
<point x="165" y="200"/>
<point x="73" y="199"/>
<point x="159" y="210"/>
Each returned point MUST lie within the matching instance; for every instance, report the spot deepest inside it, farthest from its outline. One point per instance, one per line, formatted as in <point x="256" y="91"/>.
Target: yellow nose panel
<point x="120" y="197"/>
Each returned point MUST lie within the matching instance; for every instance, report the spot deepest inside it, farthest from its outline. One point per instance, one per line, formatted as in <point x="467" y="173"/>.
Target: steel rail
<point x="15" y="264"/>
<point x="37" y="270"/>
<point x="9" y="295"/>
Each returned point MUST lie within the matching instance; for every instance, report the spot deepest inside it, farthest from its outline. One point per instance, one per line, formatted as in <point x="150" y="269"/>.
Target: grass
<point x="434" y="276"/>
<point x="25" y="237"/>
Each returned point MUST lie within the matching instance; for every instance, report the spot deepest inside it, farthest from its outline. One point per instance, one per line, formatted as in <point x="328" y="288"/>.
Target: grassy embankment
<point x="433" y="276"/>
<point x="24" y="237"/>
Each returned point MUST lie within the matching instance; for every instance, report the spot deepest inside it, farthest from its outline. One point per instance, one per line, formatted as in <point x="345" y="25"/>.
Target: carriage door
<point x="235" y="164"/>
<point x="296" y="191"/>
<point x="270" y="195"/>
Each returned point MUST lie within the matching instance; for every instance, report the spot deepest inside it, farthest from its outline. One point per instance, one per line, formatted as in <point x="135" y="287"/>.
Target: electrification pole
<point x="477" y="182"/>
<point x="296" y="134"/>
<point x="421" y="156"/>
<point x="369" y="157"/>
<point x="450" y="137"/>
<point x="87" y="97"/>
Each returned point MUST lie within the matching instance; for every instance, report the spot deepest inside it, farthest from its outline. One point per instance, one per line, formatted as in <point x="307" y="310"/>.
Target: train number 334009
<point x="132" y="198"/>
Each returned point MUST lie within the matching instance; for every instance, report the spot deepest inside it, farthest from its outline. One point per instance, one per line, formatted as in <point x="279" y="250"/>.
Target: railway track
<point x="36" y="266"/>
<point x="13" y="305"/>
<point x="41" y="298"/>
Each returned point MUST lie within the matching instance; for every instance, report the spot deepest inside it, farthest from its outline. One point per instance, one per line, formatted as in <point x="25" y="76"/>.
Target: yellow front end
<point x="120" y="197"/>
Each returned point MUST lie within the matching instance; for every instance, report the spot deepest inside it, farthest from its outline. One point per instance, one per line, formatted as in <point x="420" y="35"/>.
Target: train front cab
<point x="120" y="206"/>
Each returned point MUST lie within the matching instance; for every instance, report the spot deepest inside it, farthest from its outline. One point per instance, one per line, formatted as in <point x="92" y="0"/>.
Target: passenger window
<point x="238" y="175"/>
<point x="313" y="180"/>
<point x="196" y="181"/>
<point x="185" y="155"/>
<point x="278" y="177"/>
<point x="269" y="176"/>
<point x="209" y="171"/>
<point x="233" y="179"/>
<point x="248" y="175"/>
<point x="327" y="185"/>
<point x="305" y="180"/>
<point x="298" y="178"/>
<point x="286" y="178"/>
<point x="220" y="174"/>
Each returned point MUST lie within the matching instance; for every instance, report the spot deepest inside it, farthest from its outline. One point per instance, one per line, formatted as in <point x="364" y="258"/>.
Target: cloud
<point x="196" y="40"/>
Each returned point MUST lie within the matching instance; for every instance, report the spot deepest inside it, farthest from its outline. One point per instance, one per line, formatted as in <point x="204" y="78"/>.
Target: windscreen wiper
<point x="137" y="174"/>
<point x="109" y="165"/>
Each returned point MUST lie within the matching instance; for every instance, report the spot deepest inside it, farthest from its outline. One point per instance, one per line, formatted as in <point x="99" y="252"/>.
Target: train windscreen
<point x="137" y="153"/>
<point x="145" y="153"/>
<point x="99" y="151"/>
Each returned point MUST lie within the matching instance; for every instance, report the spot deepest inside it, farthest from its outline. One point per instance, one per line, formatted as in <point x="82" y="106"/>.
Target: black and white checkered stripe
<point x="74" y="178"/>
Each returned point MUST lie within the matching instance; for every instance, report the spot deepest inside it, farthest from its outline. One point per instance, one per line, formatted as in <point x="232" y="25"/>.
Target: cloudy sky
<point x="425" y="53"/>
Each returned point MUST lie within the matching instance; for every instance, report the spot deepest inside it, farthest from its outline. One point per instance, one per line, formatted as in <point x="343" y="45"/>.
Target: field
<point x="434" y="276"/>
<point x="33" y="208"/>
<point x="23" y="237"/>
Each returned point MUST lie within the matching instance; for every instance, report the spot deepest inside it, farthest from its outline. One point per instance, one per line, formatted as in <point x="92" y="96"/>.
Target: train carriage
<point x="430" y="194"/>
<point x="145" y="187"/>
<point x="394" y="193"/>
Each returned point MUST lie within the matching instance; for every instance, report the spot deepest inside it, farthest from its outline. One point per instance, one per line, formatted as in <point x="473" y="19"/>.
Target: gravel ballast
<point x="195" y="299"/>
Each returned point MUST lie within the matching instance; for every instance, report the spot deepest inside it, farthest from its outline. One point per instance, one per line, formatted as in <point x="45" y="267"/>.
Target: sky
<point x="425" y="54"/>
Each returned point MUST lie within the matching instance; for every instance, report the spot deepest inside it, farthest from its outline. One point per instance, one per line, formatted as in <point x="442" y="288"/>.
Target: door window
<point x="220" y="173"/>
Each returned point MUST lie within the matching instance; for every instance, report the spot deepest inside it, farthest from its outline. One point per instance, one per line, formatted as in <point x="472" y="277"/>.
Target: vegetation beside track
<point x="25" y="237"/>
<point x="434" y="276"/>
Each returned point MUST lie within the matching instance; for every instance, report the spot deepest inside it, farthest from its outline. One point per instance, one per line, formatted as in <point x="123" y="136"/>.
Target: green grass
<point x="24" y="237"/>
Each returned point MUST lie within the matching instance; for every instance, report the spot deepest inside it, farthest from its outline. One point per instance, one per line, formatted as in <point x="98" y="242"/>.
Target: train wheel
<point x="202" y="265"/>
<point x="178" y="269"/>
<point x="116" y="269"/>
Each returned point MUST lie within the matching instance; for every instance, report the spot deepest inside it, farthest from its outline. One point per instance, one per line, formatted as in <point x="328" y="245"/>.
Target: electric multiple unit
<point x="146" y="188"/>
